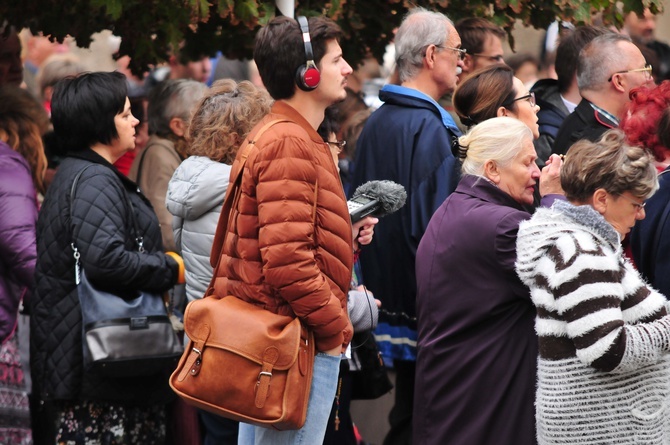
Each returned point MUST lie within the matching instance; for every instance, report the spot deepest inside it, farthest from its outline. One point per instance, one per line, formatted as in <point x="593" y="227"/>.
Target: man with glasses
<point x="409" y="140"/>
<point x="609" y="67"/>
<point x="483" y="41"/>
<point x="558" y="98"/>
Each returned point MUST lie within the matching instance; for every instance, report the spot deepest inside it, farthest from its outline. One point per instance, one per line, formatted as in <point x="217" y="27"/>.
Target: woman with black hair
<point x="92" y="119"/>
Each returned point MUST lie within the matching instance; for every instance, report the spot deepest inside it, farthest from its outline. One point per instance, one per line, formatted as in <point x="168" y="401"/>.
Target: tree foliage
<point x="149" y="28"/>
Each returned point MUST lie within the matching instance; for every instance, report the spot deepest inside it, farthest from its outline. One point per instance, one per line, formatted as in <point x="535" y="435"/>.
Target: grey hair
<point x="170" y="99"/>
<point x="498" y="139"/>
<point x="419" y="29"/>
<point x="598" y="60"/>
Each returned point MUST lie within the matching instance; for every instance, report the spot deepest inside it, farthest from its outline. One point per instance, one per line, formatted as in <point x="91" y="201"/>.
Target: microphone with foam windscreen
<point x="376" y="198"/>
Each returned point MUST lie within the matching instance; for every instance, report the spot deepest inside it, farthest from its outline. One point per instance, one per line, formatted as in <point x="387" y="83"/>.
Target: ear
<point x="600" y="200"/>
<point x="429" y="60"/>
<point x="172" y="61"/>
<point x="618" y="83"/>
<point x="178" y="126"/>
<point x="502" y="111"/>
<point x="491" y="171"/>
<point x="468" y="63"/>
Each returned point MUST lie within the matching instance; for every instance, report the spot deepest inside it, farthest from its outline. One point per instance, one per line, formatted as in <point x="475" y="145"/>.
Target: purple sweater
<point x="18" y="216"/>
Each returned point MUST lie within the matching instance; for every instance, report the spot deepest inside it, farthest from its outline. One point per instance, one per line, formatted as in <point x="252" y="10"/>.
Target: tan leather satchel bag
<point x="243" y="362"/>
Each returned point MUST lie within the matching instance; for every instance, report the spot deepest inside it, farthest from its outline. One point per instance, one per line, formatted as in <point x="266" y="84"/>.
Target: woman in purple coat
<point x="477" y="350"/>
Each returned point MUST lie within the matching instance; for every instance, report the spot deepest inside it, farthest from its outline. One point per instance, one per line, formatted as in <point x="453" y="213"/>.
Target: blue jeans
<point x="321" y="396"/>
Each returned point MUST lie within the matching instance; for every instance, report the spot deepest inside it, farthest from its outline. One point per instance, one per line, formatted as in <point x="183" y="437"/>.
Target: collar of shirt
<point x="447" y="120"/>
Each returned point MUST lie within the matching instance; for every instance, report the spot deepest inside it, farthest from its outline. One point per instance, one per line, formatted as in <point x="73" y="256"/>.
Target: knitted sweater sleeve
<point x="614" y="320"/>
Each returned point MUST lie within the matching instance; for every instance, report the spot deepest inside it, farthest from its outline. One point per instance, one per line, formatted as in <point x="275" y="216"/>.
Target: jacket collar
<point x="91" y="156"/>
<point x="589" y="112"/>
<point x="482" y="188"/>
<point x="400" y="90"/>
<point x="281" y="107"/>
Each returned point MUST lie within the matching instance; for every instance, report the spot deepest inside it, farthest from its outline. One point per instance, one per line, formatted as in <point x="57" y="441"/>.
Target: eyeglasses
<point x="498" y="58"/>
<point x="530" y="97"/>
<point x="646" y="70"/>
<point x="638" y="206"/>
<point x="461" y="51"/>
<point x="339" y="145"/>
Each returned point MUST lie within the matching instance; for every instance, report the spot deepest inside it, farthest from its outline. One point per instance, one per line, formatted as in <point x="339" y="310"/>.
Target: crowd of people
<point x="519" y="296"/>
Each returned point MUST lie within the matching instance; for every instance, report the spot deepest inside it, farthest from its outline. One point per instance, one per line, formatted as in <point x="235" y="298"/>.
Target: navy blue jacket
<point x="650" y="238"/>
<point x="408" y="140"/>
<point x="550" y="117"/>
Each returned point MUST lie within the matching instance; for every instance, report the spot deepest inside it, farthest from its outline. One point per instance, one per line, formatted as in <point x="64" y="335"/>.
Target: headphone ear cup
<point x="307" y="79"/>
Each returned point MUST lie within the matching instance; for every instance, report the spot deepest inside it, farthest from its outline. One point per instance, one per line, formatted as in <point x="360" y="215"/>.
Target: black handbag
<point x="124" y="333"/>
<point x="371" y="380"/>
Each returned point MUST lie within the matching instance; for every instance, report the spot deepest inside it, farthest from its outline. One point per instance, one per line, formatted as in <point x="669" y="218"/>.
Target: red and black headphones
<point x="307" y="77"/>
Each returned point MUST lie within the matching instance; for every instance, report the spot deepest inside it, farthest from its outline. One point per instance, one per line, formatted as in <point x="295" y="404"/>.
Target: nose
<point x="640" y="214"/>
<point x="347" y="68"/>
<point x="535" y="172"/>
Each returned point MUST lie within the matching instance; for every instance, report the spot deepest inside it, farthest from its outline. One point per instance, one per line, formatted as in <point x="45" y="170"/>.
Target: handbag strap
<point x="138" y="238"/>
<point x="233" y="195"/>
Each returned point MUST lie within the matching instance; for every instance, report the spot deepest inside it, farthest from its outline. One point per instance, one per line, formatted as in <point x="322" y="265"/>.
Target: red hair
<point x="640" y="122"/>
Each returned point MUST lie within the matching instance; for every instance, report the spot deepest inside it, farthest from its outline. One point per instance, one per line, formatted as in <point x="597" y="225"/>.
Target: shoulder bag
<point x="244" y="362"/>
<point x="124" y="333"/>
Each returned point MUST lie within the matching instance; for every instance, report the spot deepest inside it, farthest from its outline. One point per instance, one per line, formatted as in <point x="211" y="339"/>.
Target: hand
<point x="362" y="288"/>
<point x="550" y="179"/>
<point x="363" y="231"/>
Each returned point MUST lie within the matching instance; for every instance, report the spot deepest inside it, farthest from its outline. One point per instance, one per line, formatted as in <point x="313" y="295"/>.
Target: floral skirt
<point x="14" y="407"/>
<point x="106" y="423"/>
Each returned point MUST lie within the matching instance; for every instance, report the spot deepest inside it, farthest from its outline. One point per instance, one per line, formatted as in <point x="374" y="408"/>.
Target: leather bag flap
<point x="244" y="329"/>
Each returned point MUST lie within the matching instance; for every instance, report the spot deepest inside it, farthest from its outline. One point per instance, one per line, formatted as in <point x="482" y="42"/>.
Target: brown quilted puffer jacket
<point x="278" y="253"/>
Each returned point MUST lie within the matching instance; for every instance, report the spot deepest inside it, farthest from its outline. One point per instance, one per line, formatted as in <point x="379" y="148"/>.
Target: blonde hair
<point x="23" y="121"/>
<point x="610" y="164"/>
<point x="224" y="117"/>
<point x="498" y="139"/>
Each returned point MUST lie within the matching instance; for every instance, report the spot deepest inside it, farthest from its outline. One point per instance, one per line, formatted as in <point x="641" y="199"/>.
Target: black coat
<point x="583" y="123"/>
<point x="102" y="231"/>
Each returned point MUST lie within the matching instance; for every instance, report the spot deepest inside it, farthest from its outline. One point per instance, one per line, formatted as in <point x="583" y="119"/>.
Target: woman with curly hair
<point x="221" y="121"/>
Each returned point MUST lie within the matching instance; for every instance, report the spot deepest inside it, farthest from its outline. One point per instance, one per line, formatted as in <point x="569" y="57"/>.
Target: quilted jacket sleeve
<point x="285" y="193"/>
<point x="101" y="232"/>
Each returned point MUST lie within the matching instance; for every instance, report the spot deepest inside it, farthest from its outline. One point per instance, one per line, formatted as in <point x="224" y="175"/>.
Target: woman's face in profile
<point x="524" y="110"/>
<point x="519" y="178"/>
<point x="125" y="128"/>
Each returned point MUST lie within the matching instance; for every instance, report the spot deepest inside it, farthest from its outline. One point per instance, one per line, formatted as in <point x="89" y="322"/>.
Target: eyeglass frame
<point x="530" y="97"/>
<point x="462" y="52"/>
<point x="638" y="206"/>
<point x="498" y="59"/>
<point x="339" y="144"/>
<point x="647" y="68"/>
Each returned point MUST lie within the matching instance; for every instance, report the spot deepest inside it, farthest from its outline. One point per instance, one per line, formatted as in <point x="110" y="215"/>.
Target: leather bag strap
<point x="234" y="191"/>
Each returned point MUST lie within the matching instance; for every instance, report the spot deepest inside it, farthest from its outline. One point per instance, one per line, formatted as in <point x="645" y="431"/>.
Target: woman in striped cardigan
<point x="604" y="334"/>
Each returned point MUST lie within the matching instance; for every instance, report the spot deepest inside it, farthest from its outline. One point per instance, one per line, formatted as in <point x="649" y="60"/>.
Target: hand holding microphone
<point x="371" y="201"/>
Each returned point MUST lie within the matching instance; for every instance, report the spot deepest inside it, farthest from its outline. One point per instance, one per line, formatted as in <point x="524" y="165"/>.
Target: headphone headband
<point x="304" y="28"/>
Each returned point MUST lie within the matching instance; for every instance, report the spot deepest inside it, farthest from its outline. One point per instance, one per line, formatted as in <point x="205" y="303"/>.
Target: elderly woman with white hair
<point x="477" y="351"/>
<point x="604" y="334"/>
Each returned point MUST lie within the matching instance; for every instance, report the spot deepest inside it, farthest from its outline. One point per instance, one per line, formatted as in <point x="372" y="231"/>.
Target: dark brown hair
<point x="23" y="121"/>
<point x="480" y="95"/>
<point x="474" y="31"/>
<point x="279" y="51"/>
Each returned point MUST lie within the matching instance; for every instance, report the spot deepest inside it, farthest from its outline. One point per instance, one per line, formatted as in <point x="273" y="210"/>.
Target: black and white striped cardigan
<point x="604" y="334"/>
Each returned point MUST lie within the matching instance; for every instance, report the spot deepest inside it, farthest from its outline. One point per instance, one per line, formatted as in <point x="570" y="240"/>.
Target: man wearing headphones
<point x="291" y="247"/>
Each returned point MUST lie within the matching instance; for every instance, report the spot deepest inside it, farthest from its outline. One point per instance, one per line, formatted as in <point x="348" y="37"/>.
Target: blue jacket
<point x="408" y="140"/>
<point x="650" y="238"/>
<point x="550" y="117"/>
